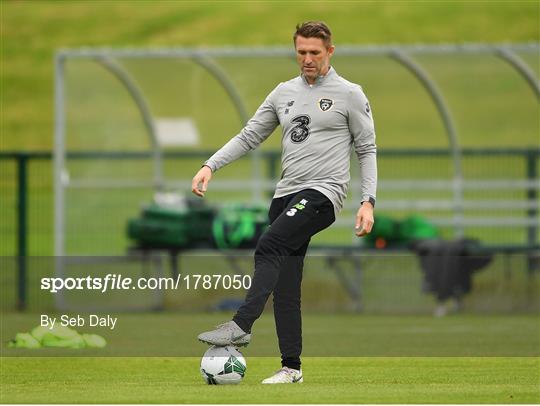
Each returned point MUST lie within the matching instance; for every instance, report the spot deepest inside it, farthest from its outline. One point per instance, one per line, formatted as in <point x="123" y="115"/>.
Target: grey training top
<point x="321" y="124"/>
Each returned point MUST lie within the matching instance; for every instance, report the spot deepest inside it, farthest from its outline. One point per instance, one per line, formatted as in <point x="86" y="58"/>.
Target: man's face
<point x="313" y="57"/>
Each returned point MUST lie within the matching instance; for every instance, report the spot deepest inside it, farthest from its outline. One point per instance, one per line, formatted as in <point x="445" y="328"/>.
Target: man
<point x="323" y="117"/>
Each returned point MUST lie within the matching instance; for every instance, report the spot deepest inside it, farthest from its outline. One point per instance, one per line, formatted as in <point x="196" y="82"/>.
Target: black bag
<point x="448" y="265"/>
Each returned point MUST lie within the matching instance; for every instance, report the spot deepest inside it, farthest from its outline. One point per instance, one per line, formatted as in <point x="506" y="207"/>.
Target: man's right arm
<point x="258" y="128"/>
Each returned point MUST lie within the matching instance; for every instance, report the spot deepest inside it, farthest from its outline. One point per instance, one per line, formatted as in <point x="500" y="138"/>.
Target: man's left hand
<point x="364" y="219"/>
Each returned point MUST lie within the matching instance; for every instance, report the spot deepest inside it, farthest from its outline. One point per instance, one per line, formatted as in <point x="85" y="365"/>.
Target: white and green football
<point x="223" y="366"/>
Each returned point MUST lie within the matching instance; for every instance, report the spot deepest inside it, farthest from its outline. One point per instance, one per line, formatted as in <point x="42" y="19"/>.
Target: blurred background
<point x="128" y="98"/>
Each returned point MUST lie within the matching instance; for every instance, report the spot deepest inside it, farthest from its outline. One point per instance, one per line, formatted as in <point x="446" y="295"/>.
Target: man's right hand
<point x="200" y="181"/>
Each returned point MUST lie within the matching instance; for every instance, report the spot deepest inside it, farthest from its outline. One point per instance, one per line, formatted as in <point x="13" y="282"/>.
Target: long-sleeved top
<point x="321" y="125"/>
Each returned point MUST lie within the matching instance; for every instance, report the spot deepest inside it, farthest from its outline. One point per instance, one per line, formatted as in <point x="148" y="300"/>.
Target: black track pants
<point x="279" y="260"/>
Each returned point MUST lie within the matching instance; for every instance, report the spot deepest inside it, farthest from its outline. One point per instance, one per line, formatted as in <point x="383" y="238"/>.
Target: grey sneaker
<point x="285" y="375"/>
<point x="226" y="334"/>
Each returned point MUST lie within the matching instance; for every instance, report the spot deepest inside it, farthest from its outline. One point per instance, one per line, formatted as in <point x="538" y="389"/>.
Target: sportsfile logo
<point x="118" y="282"/>
<point x="108" y="283"/>
<point x="296" y="207"/>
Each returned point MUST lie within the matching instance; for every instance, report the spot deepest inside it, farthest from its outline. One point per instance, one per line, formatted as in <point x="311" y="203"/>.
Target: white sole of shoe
<point x="234" y="344"/>
<point x="278" y="383"/>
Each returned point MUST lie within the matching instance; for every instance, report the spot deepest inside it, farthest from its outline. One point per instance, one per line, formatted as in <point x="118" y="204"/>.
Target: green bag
<point x="239" y="226"/>
<point x="390" y="233"/>
<point x="60" y="337"/>
<point x="167" y="226"/>
<point x="94" y="341"/>
<point x="385" y="232"/>
<point x="416" y="228"/>
<point x="24" y="340"/>
<point x="57" y="337"/>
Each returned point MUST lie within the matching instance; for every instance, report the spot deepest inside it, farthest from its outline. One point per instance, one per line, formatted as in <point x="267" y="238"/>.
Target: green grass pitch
<point x="327" y="380"/>
<point x="411" y="359"/>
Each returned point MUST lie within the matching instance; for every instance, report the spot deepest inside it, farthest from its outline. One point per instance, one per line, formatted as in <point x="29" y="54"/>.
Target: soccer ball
<point x="223" y="366"/>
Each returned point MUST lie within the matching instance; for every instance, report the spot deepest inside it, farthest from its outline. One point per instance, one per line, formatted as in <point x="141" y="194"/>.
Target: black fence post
<point x="532" y="212"/>
<point x="22" y="227"/>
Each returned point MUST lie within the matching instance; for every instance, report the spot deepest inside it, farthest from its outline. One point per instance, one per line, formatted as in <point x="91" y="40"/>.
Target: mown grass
<point x="154" y="358"/>
<point x="327" y="380"/>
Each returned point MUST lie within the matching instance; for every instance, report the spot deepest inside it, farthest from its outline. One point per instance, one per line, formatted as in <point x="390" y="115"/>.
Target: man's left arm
<point x="362" y="130"/>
